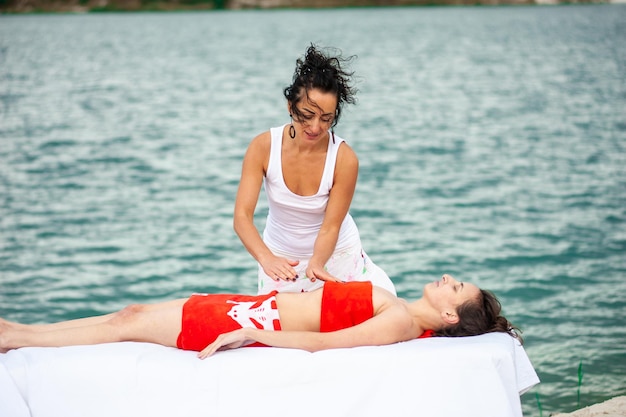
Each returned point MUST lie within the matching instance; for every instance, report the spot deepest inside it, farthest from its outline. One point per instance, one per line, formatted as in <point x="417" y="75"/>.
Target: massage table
<point x="435" y="377"/>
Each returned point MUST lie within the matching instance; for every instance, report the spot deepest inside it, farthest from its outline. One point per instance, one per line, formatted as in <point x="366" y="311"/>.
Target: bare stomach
<point x="300" y="311"/>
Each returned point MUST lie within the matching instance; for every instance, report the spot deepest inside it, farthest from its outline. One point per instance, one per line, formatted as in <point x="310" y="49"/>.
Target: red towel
<point x="345" y="305"/>
<point x="206" y="316"/>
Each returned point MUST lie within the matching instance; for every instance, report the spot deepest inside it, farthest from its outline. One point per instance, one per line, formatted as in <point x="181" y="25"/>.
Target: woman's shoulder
<point x="347" y="162"/>
<point x="345" y="153"/>
<point x="261" y="142"/>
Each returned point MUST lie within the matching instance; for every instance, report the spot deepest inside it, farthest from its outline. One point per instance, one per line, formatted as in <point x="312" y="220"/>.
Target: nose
<point x="315" y="125"/>
<point x="447" y="278"/>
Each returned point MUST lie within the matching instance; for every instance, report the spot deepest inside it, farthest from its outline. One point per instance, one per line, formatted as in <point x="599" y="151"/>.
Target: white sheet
<point x="440" y="377"/>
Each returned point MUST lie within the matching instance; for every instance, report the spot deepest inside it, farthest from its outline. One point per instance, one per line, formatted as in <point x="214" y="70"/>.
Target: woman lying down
<point x="339" y="315"/>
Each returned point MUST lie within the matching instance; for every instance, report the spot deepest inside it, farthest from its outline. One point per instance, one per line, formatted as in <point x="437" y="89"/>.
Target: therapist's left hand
<point x="314" y="272"/>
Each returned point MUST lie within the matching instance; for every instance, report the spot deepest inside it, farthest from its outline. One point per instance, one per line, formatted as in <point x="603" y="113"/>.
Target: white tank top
<point x="294" y="221"/>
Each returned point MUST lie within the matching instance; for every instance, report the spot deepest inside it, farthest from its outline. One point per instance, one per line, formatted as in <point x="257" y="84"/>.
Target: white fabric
<point x="293" y="221"/>
<point x="351" y="264"/>
<point x="438" y="377"/>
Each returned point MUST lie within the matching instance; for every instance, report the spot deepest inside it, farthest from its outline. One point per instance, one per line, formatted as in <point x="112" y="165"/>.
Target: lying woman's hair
<point x="324" y="72"/>
<point x="479" y="316"/>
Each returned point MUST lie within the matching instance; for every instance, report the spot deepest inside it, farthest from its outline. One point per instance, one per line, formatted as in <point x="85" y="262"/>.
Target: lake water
<point x="492" y="145"/>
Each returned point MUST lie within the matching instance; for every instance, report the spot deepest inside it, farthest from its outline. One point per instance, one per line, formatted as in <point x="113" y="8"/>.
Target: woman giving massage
<point x="339" y="315"/>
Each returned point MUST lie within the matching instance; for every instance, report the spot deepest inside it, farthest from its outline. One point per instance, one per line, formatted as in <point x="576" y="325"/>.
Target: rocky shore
<point x="615" y="407"/>
<point x="85" y="6"/>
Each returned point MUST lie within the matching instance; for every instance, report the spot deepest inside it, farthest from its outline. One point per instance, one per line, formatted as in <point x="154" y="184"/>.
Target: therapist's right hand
<point x="278" y="268"/>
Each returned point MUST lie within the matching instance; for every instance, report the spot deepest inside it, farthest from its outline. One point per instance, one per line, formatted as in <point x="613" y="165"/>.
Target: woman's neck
<point x="424" y="315"/>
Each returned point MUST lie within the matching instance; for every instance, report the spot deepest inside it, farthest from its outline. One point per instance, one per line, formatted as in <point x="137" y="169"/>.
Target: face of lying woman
<point x="447" y="293"/>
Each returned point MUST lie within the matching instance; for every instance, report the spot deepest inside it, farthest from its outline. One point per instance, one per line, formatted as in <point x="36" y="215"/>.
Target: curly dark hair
<point x="479" y="316"/>
<point x="324" y="71"/>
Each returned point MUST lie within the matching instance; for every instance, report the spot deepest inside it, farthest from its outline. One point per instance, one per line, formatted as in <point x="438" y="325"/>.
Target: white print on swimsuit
<point x="262" y="317"/>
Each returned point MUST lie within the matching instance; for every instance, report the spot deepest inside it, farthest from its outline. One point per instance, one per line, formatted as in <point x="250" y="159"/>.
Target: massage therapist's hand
<point x="278" y="268"/>
<point x="315" y="271"/>
<point x="231" y="340"/>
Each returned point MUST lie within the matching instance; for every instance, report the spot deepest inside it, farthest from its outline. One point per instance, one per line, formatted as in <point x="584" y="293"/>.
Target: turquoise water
<point x="492" y="147"/>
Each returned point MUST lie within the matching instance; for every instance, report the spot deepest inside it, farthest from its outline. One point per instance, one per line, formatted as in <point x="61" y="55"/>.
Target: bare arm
<point x="344" y="184"/>
<point x="252" y="173"/>
<point x="390" y="326"/>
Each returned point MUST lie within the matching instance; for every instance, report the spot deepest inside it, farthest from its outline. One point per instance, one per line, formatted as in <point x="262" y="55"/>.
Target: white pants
<point x="351" y="264"/>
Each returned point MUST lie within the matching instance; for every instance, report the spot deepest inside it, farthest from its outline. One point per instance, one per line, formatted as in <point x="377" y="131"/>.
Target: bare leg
<point x="46" y="327"/>
<point x="85" y="321"/>
<point x="156" y="323"/>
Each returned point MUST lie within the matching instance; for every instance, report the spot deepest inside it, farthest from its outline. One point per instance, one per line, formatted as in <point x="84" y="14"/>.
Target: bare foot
<point x="5" y="327"/>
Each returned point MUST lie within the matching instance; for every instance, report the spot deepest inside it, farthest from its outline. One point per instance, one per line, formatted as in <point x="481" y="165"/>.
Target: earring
<point x="292" y="130"/>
